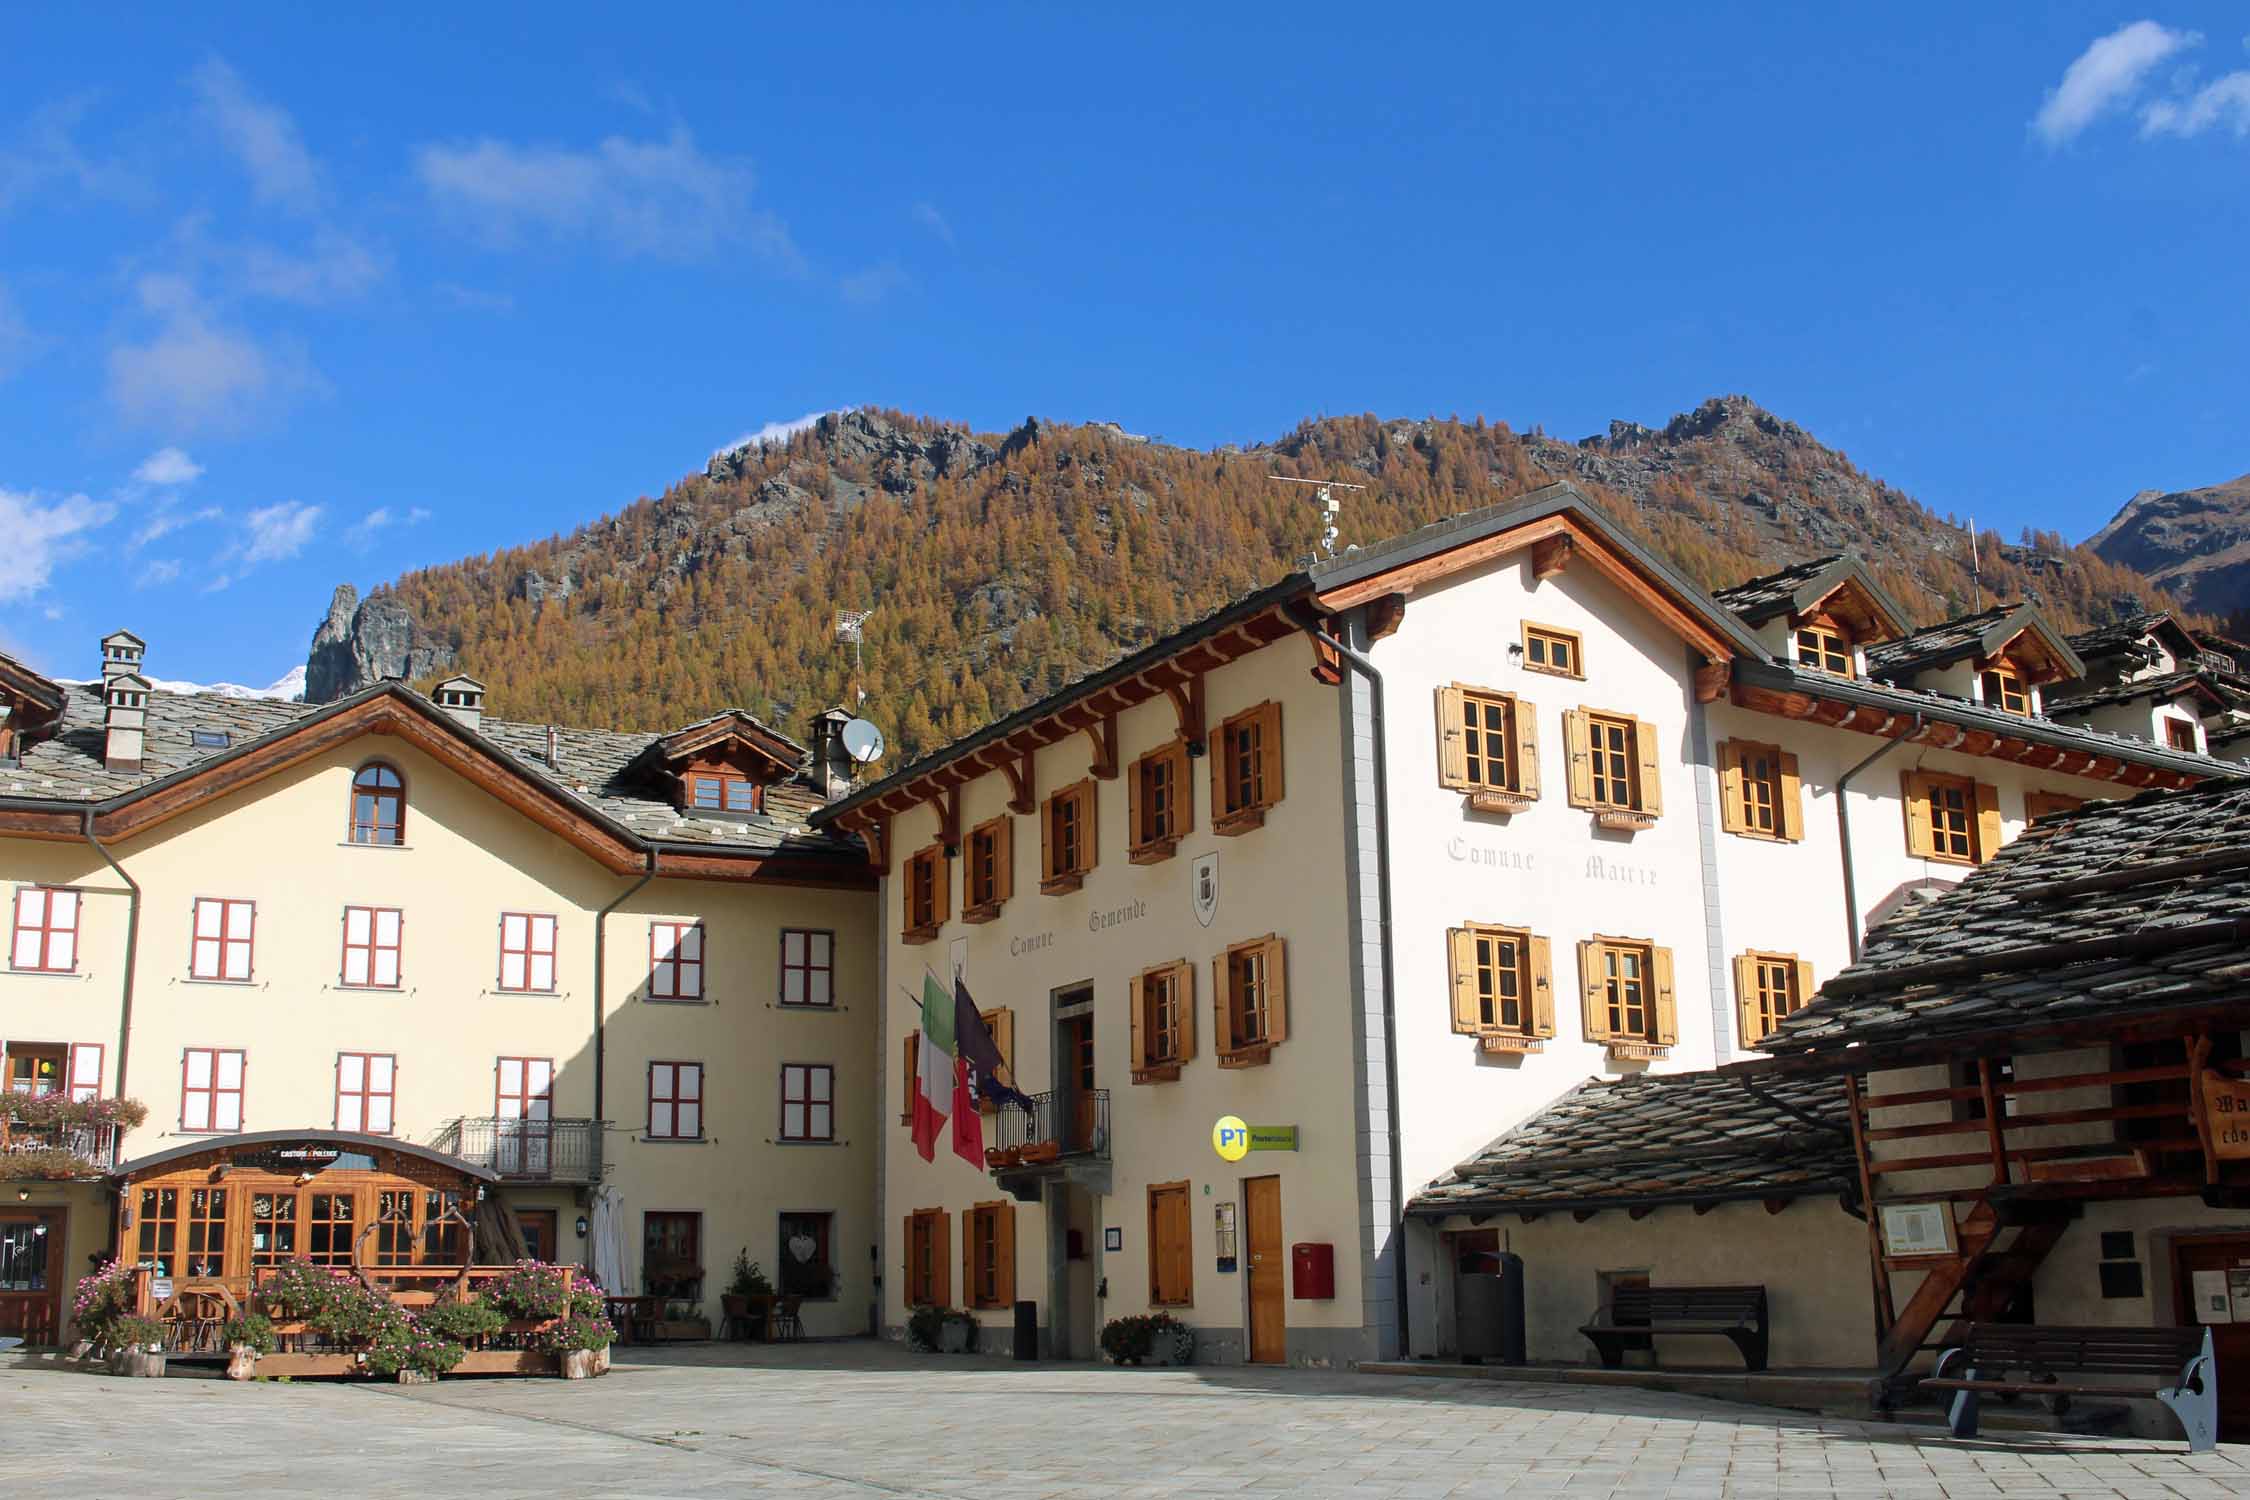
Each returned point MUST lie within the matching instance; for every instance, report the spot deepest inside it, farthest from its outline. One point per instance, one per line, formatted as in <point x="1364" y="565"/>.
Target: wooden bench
<point x="2171" y="1365"/>
<point x="1638" y="1314"/>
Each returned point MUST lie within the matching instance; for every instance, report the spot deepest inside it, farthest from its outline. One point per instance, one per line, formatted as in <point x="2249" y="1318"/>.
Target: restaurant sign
<point x="2226" y="1115"/>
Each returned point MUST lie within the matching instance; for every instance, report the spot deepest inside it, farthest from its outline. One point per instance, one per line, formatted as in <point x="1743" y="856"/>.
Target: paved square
<point x="859" y="1420"/>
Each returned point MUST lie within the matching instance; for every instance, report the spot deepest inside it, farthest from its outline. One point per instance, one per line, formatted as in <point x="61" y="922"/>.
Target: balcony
<point x="1063" y="1137"/>
<point x="56" y="1152"/>
<point x="562" y="1151"/>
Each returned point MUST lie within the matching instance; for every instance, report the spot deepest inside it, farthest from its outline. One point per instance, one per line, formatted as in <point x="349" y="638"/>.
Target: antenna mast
<point x="1330" y="506"/>
<point x="1976" y="568"/>
<point x="851" y="625"/>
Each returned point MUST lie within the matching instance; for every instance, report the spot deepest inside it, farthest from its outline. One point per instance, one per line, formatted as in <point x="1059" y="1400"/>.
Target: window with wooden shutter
<point x="1760" y="793"/>
<point x="988" y="1256"/>
<point x="1488" y="747"/>
<point x="1950" y="818"/>
<point x="1614" y="767"/>
<point x="1824" y="648"/>
<point x="1246" y="771"/>
<point x="929" y="1258"/>
<point x="1066" y="838"/>
<point x="990" y="878"/>
<point x="912" y="1060"/>
<point x="1628" y="994"/>
<point x="1001" y="1022"/>
<point x="1250" y="1001"/>
<point x="1161" y="1009"/>
<point x="926" y="889"/>
<point x="1503" y="992"/>
<point x="1171" y="1245"/>
<point x="1159" y="803"/>
<point x="1767" y="987"/>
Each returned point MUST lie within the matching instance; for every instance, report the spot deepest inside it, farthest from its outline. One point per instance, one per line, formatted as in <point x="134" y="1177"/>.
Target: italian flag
<point x="933" y="1082"/>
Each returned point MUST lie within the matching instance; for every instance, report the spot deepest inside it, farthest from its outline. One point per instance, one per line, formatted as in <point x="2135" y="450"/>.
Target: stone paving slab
<point x="858" y="1420"/>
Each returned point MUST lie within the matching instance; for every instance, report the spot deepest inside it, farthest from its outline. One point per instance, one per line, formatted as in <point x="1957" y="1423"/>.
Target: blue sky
<point x="288" y="299"/>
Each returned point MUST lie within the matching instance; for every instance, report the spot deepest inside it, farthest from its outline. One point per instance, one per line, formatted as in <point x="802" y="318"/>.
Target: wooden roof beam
<point x="1023" y="784"/>
<point x="1103" y="733"/>
<point x="1443" y="564"/>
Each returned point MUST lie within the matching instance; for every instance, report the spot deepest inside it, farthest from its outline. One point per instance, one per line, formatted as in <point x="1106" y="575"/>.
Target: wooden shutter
<point x="1277" y="989"/>
<point x="1806" y="984"/>
<point x="1135" y="835"/>
<point x="1991" y="833"/>
<point x="1461" y="953"/>
<point x="969" y="1227"/>
<point x="1914" y="792"/>
<point x="1652" y="773"/>
<point x="1136" y="998"/>
<point x="1667" y="1010"/>
<point x="941" y="1260"/>
<point x="1746" y="998"/>
<point x="913" y="1050"/>
<point x="1047" y="837"/>
<point x="1003" y="859"/>
<point x="1523" y="718"/>
<point x="941" y="887"/>
<point x="1089" y="843"/>
<point x="1183" y="1046"/>
<point x="1222" y="1012"/>
<point x="1581" y="793"/>
<point x="1593" y="991"/>
<point x="1542" y="988"/>
<point x="1269" y="750"/>
<point x="906" y="1270"/>
<point x="1732" y="819"/>
<point x="1452" y="742"/>
<point x="1791" y="809"/>
<point x="1004" y="1255"/>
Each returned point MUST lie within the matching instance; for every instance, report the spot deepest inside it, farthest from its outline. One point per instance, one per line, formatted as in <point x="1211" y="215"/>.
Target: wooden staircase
<point x="2000" y="1248"/>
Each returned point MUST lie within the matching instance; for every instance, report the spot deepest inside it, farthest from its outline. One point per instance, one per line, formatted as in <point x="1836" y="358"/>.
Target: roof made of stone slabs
<point x="1669" y="1137"/>
<point x="1935" y="645"/>
<point x="2120" y="636"/>
<point x="2166" y="686"/>
<point x="2118" y="907"/>
<point x="602" y="769"/>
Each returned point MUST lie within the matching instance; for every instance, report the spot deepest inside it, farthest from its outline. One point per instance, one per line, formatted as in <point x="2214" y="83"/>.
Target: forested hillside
<point x="1000" y="566"/>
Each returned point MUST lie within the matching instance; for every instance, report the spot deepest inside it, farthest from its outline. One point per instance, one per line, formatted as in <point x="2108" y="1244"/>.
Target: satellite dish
<point x="863" y="742"/>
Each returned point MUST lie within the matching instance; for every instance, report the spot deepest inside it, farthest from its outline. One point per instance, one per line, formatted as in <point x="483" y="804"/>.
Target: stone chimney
<point x="463" y="697"/>
<point x="125" y="718"/>
<point x="121" y="655"/>
<point x="832" y="766"/>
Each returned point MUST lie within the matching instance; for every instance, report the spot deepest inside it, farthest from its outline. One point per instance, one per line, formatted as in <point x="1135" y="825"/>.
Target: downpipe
<point x="1844" y="827"/>
<point x="601" y="974"/>
<point x="132" y="951"/>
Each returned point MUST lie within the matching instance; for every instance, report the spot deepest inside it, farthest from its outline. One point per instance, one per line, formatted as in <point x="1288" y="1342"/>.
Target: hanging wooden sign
<point x="2226" y="1115"/>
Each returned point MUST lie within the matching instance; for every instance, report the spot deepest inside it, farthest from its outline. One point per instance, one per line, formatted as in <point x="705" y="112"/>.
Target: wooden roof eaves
<point x="20" y="680"/>
<point x="2001" y="1041"/>
<point x="1850" y="574"/>
<point x="1420" y="1208"/>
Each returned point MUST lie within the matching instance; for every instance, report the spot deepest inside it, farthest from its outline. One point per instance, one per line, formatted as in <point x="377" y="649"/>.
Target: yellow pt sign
<point x="1230" y="1138"/>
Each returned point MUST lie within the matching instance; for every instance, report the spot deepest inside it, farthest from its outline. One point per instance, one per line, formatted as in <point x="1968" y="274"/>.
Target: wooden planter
<point x="137" y="1363"/>
<point x="1039" y="1153"/>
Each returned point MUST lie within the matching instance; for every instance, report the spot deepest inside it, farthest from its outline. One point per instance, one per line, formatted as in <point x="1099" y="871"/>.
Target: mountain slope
<point x="2194" y="542"/>
<point x="1000" y="566"/>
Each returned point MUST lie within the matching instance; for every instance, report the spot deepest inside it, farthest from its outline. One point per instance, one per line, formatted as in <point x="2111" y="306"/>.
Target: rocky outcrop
<point x="364" y="641"/>
<point x="2194" y="542"/>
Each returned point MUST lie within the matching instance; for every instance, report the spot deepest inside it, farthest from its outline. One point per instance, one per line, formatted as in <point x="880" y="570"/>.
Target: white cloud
<point x="778" y="432"/>
<point x="167" y="518"/>
<point x="416" y="515"/>
<point x="41" y="534"/>
<point x="2105" y="77"/>
<point x="278" y="532"/>
<point x="660" y="198"/>
<point x="195" y="372"/>
<point x="168" y="466"/>
<point x="47" y="151"/>
<point x="382" y="517"/>
<point x="928" y="217"/>
<point x="873" y="284"/>
<point x="2225" y="101"/>
<point x="336" y="266"/>
<point x="158" y="572"/>
<point x="262" y="137"/>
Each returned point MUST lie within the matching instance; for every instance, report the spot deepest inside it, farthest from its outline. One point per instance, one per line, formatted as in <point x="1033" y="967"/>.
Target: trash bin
<point x="1027" y="1330"/>
<point x="1488" y="1312"/>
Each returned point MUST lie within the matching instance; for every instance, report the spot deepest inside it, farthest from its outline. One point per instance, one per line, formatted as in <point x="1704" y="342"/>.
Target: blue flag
<point x="974" y="1044"/>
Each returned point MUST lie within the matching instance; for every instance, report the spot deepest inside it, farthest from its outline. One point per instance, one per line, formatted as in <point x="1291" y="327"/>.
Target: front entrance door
<point x="1075" y="1073"/>
<point x="538" y="1226"/>
<point x="31" y="1274"/>
<point x="2222" y="1260"/>
<point x="1269" y="1271"/>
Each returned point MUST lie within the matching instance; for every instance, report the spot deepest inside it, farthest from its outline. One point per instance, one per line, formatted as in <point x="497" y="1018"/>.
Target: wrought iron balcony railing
<point x="531" y="1150"/>
<point x="1059" y="1125"/>
<point x="64" y="1151"/>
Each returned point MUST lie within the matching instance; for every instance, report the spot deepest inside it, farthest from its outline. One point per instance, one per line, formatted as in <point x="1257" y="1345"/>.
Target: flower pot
<point x="601" y="1360"/>
<point x="137" y="1363"/>
<point x="582" y="1364"/>
<point x="416" y="1377"/>
<point x="242" y="1363"/>
<point x="953" y="1336"/>
<point x="82" y="1349"/>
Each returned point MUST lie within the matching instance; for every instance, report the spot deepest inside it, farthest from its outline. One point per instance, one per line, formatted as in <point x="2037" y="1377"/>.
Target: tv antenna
<point x="851" y="625"/>
<point x="1330" y="506"/>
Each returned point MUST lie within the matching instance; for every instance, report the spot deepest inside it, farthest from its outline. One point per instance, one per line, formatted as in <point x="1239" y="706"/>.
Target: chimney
<point x="463" y="698"/>
<point x="125" y="719"/>
<point x="121" y="655"/>
<point x="552" y="738"/>
<point x="832" y="765"/>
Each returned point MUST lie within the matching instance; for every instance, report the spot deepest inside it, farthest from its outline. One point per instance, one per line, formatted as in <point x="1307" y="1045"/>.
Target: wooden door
<point x="538" y="1226"/>
<point x="1078" y="1067"/>
<point x="31" y="1274"/>
<point x="1269" y="1272"/>
<point x="2225" y="1256"/>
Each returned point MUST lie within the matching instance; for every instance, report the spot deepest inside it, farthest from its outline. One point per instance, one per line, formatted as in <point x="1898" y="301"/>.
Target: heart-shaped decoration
<point x="802" y="1246"/>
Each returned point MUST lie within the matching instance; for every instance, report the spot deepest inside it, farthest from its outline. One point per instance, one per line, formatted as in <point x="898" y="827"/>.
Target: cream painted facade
<point x="466" y="859"/>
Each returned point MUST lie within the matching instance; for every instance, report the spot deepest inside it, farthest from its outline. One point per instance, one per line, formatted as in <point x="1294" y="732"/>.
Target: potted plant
<point x="748" y="1296"/>
<point x="136" y="1347"/>
<point x="248" y="1335"/>
<point x="1128" y="1340"/>
<point x="1170" y="1341"/>
<point x="924" y="1327"/>
<point x="581" y="1344"/>
<point x="959" y="1333"/>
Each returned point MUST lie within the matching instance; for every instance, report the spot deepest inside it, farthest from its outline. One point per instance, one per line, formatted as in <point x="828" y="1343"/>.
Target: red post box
<point x="1312" y="1272"/>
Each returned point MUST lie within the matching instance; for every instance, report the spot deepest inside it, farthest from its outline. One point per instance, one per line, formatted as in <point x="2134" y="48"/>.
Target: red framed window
<point x="524" y="1088"/>
<point x="675" y="960"/>
<point x="710" y="791"/>
<point x="527" y="953"/>
<point x="371" y="947"/>
<point x="36" y="1068"/>
<point x="675" y="1101"/>
<point x="45" y="940"/>
<point x="211" y="1089"/>
<point x="808" y="967"/>
<point x="378" y="805"/>
<point x="808" y="1102"/>
<point x="86" y="1059"/>
<point x="223" y="937"/>
<point x="366" y="1091"/>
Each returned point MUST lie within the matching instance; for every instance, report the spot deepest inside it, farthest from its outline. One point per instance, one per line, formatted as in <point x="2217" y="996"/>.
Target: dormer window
<point x="378" y="805"/>
<point x="2004" y="689"/>
<point x="717" y="791"/>
<point x="1824" y="649"/>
